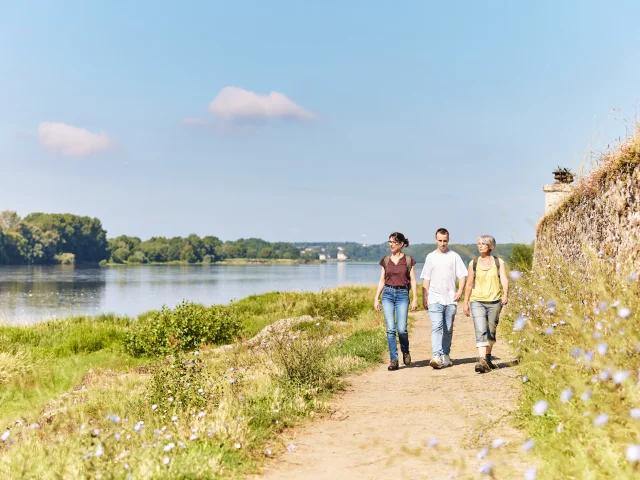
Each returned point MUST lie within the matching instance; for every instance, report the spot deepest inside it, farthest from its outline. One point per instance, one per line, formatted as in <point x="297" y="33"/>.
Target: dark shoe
<point x="436" y="363"/>
<point x="406" y="358"/>
<point x="491" y="365"/>
<point x="393" y="365"/>
<point x="481" y="366"/>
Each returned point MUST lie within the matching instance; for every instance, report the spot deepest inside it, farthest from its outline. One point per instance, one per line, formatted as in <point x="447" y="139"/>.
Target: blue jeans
<point x="396" y="302"/>
<point x="441" y="327"/>
<point x="485" y="320"/>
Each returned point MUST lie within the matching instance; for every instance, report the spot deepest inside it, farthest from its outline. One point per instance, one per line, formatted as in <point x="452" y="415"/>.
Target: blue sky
<point x="401" y="116"/>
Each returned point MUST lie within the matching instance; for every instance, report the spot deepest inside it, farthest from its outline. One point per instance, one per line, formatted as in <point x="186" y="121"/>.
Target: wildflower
<point x="275" y="410"/>
<point x="633" y="277"/>
<point x="519" y="323"/>
<point x="553" y="366"/>
<point x="624" y="312"/>
<point x="232" y="381"/>
<point x="95" y="432"/>
<point x="486" y="468"/>
<point x="291" y="448"/>
<point x="318" y="324"/>
<point x="559" y="428"/>
<point x="483" y="453"/>
<point x="576" y="352"/>
<point x="114" y="418"/>
<point x="515" y="275"/>
<point x="99" y="450"/>
<point x="154" y="406"/>
<point x="635" y="413"/>
<point x="528" y="445"/>
<point x="200" y="414"/>
<point x="193" y="437"/>
<point x="525" y="379"/>
<point x="620" y="376"/>
<point x="169" y="446"/>
<point x="267" y="452"/>
<point x="196" y="352"/>
<point x="549" y="331"/>
<point x="200" y="390"/>
<point x="138" y="426"/>
<point x="166" y="460"/>
<point x="5" y="435"/>
<point x="602" y="348"/>
<point x="433" y="442"/>
<point x="497" y="443"/>
<point x="174" y="419"/>
<point x="237" y="445"/>
<point x="601" y="419"/>
<point x="605" y="374"/>
<point x="126" y="466"/>
<point x="566" y="395"/>
<point x="170" y="399"/>
<point x="633" y="452"/>
<point x="586" y="395"/>
<point x="540" y="407"/>
<point x="530" y="474"/>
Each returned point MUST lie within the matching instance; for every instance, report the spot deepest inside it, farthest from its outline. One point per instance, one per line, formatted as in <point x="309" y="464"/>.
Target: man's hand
<point x="376" y="305"/>
<point x="414" y="305"/>
<point x="466" y="309"/>
<point x="457" y="296"/>
<point x="505" y="299"/>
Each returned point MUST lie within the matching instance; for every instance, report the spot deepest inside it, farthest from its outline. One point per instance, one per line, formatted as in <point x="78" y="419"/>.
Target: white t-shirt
<point x="442" y="269"/>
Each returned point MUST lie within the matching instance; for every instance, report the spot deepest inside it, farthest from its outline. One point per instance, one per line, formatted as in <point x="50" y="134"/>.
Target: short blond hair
<point x="488" y="240"/>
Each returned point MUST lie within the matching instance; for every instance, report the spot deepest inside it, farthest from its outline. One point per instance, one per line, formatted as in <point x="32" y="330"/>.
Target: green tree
<point x="188" y="254"/>
<point x="521" y="257"/>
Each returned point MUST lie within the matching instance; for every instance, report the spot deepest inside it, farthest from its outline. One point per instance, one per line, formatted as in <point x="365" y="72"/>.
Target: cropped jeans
<point x="395" y="302"/>
<point x="485" y="320"/>
<point x="441" y="327"/>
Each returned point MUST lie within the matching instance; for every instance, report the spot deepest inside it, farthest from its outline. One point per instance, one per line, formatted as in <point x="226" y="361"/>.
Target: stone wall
<point x="600" y="218"/>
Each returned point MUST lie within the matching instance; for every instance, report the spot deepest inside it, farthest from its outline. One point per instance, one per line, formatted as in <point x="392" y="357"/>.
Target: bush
<point x="302" y="359"/>
<point x="366" y="344"/>
<point x="337" y="305"/>
<point x="185" y="328"/>
<point x="178" y="384"/>
<point x="65" y="259"/>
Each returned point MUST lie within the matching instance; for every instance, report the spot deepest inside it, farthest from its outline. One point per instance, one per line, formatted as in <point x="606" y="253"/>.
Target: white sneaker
<point x="446" y="361"/>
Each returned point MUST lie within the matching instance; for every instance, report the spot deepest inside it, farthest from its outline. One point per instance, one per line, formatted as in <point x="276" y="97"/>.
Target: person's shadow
<point x="461" y="361"/>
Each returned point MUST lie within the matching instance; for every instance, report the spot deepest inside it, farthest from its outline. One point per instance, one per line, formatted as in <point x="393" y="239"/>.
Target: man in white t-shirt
<point x="442" y="268"/>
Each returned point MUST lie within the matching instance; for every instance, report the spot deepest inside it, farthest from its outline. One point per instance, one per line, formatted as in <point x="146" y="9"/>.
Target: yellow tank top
<point x="487" y="287"/>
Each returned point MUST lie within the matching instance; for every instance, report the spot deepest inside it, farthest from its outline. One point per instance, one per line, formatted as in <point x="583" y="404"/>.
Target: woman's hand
<point x="376" y="305"/>
<point x="414" y="305"/>
<point x="466" y="309"/>
<point x="505" y="299"/>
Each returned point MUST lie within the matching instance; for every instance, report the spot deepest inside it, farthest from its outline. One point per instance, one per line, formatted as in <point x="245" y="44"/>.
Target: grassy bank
<point x="231" y="261"/>
<point x="579" y="350"/>
<point x="105" y="397"/>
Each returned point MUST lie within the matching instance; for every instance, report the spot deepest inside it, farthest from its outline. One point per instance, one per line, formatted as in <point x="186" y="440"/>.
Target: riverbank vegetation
<point x="579" y="348"/>
<point x="106" y="397"/>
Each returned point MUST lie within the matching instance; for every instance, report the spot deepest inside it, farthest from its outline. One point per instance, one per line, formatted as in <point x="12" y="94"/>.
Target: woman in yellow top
<point x="487" y="291"/>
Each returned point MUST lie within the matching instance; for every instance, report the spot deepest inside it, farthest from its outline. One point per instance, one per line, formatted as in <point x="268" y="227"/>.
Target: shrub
<point x="337" y="304"/>
<point x="302" y="359"/>
<point x="177" y="383"/>
<point x="184" y="328"/>
<point x="65" y="259"/>
<point x="521" y="257"/>
<point x="366" y="344"/>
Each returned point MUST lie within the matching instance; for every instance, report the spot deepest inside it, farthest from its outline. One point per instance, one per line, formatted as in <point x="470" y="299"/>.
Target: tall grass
<point x="199" y="414"/>
<point x="579" y="348"/>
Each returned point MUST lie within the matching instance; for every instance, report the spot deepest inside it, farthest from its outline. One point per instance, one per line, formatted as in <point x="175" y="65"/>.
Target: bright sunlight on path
<point x="385" y="424"/>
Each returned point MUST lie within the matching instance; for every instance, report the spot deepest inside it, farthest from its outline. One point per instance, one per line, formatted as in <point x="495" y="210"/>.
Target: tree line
<point x="44" y="238"/>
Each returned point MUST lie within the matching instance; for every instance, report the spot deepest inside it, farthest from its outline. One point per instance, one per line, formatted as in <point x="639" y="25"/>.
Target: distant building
<point x="322" y="256"/>
<point x="341" y="255"/>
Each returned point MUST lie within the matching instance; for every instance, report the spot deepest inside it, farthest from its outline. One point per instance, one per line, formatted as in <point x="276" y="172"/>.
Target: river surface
<point x="30" y="294"/>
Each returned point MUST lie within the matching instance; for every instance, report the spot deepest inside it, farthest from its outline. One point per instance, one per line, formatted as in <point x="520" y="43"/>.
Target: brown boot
<point x="491" y="365"/>
<point x="481" y="366"/>
<point x="393" y="365"/>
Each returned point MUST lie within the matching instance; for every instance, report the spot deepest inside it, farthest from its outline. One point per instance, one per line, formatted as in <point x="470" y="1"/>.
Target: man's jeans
<point x="441" y="327"/>
<point x="396" y="301"/>
<point x="485" y="321"/>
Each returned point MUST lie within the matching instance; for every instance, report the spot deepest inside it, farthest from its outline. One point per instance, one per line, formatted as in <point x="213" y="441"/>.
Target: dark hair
<point x="442" y="231"/>
<point x="400" y="238"/>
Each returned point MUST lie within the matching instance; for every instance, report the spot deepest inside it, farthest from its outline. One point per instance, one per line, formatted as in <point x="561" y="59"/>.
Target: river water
<point x="30" y="294"/>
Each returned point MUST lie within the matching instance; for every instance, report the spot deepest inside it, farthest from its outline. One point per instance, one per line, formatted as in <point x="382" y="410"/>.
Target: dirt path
<point x="384" y="425"/>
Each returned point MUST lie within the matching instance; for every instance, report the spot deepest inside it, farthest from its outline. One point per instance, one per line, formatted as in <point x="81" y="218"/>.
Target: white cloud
<point x="72" y="141"/>
<point x="235" y="104"/>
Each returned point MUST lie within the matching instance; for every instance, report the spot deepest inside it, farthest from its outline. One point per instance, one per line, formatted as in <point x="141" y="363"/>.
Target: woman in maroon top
<point x="395" y="278"/>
